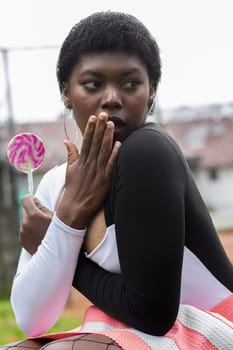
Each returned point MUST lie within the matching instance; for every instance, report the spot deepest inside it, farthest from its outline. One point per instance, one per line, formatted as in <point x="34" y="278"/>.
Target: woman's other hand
<point x="35" y="222"/>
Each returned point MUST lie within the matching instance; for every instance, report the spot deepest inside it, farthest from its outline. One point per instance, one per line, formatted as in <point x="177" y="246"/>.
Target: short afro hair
<point x="109" y="31"/>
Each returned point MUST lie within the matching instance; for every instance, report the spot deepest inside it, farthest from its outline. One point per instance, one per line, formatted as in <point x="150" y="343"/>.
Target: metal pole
<point x="10" y="120"/>
<point x="11" y="128"/>
<point x="11" y="124"/>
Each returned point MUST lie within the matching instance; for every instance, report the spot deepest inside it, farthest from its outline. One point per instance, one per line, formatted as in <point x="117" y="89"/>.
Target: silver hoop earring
<point x="66" y="112"/>
<point x="67" y="115"/>
<point x="151" y="109"/>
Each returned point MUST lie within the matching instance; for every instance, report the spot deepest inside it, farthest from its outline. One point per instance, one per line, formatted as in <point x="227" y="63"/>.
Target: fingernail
<point x="110" y="124"/>
<point x="92" y="118"/>
<point x="103" y="115"/>
<point x="117" y="144"/>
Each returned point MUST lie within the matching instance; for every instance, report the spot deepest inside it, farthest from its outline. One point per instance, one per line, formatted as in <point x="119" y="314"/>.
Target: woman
<point x="134" y="219"/>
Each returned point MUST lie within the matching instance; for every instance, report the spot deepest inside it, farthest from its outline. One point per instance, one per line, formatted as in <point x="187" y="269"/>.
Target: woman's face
<point x="111" y="82"/>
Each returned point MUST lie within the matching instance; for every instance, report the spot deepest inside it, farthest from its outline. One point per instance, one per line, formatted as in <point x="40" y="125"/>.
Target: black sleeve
<point x="149" y="189"/>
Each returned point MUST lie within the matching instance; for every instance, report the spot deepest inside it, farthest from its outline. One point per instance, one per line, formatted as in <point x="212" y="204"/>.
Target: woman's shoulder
<point x="152" y="136"/>
<point x="51" y="185"/>
<point x="57" y="172"/>
<point x="159" y="131"/>
<point x="152" y="147"/>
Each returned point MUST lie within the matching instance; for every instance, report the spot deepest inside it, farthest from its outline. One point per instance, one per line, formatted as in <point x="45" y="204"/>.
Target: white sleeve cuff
<point x="67" y="229"/>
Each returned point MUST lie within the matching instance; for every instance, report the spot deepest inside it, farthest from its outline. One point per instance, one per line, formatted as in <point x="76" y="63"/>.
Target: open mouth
<point x="117" y="121"/>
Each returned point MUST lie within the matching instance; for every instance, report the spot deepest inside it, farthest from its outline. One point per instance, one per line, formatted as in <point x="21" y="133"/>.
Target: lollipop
<point x="26" y="152"/>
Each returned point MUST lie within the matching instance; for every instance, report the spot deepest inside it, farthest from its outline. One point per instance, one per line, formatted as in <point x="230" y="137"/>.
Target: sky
<point x="195" y="38"/>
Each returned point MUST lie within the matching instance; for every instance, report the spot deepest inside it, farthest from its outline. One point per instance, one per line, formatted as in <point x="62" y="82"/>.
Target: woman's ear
<point x="151" y="97"/>
<point x="66" y="95"/>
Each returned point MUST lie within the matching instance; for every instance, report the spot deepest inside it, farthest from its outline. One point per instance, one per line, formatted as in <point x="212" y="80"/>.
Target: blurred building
<point x="207" y="143"/>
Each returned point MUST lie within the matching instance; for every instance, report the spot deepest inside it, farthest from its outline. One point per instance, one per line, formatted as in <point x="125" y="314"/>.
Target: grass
<point x="9" y="331"/>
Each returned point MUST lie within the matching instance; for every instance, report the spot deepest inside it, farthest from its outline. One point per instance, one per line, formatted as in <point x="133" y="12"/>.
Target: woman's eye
<point x="132" y="84"/>
<point x="92" y="85"/>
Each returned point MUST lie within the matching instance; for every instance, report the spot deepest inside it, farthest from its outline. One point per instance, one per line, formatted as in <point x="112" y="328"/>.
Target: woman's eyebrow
<point x="91" y="72"/>
<point x="122" y="73"/>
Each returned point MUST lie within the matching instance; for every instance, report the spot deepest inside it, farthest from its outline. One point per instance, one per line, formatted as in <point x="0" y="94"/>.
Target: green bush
<point x="9" y="331"/>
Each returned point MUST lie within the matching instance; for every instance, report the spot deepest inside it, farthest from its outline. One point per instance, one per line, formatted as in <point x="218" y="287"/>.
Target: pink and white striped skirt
<point x="193" y="329"/>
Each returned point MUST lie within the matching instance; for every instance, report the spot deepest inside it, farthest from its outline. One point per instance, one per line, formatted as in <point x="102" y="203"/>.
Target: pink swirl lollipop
<point x="26" y="152"/>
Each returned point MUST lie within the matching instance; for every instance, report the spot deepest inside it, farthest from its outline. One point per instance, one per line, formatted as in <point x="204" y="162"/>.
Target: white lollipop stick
<point x="30" y="182"/>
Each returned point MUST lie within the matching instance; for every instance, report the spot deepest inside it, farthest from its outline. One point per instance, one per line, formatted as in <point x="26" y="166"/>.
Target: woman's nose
<point x="111" y="98"/>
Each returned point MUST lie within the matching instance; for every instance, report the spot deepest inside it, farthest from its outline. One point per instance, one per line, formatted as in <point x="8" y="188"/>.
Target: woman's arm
<point x="43" y="281"/>
<point x="44" y="275"/>
<point x="147" y="201"/>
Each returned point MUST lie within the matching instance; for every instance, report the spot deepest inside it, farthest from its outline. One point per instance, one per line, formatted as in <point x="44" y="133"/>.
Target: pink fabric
<point x="127" y="340"/>
<point x="225" y="308"/>
<point x="186" y="338"/>
<point x="93" y="314"/>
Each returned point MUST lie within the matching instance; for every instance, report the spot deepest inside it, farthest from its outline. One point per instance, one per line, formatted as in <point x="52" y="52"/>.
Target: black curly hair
<point x="109" y="31"/>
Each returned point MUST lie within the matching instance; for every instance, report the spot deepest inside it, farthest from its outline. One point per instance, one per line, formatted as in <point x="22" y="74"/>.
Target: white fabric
<point x="106" y="254"/>
<point x="43" y="282"/>
<point x="218" y="332"/>
<point x="199" y="287"/>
